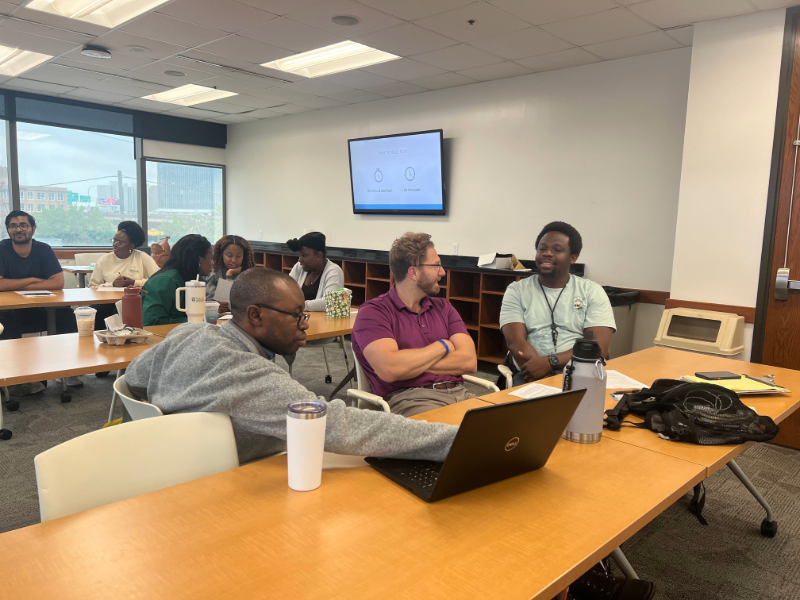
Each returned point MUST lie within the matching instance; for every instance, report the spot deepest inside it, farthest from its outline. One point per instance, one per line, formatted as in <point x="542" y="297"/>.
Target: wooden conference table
<point x="60" y="298"/>
<point x="244" y="534"/>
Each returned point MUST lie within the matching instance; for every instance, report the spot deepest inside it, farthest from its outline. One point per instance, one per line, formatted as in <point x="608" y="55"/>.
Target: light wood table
<point x="320" y="327"/>
<point x="80" y="271"/>
<point x="665" y="363"/>
<point x="60" y="298"/>
<point x="244" y="534"/>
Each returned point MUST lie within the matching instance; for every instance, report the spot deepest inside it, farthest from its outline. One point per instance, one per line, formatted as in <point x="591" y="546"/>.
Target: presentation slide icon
<point x="378" y="175"/>
<point x="410" y="174"/>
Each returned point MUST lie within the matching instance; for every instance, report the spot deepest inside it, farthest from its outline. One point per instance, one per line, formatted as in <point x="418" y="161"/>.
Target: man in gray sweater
<point x="229" y="369"/>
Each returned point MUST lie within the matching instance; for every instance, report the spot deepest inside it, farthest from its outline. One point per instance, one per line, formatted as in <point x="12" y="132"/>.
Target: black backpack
<point x="698" y="413"/>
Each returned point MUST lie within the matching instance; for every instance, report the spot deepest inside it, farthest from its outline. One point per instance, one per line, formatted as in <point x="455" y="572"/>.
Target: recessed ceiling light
<point x="108" y="13"/>
<point x="95" y="52"/>
<point x="137" y="49"/>
<point x="175" y="73"/>
<point x="335" y="58"/>
<point x="189" y="95"/>
<point x="345" y="20"/>
<point x="14" y="61"/>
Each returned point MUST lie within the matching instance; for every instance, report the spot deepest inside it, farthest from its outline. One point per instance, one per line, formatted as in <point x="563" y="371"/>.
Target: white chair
<point x="367" y="400"/>
<point x="86" y="259"/>
<point x="120" y="462"/>
<point x="137" y="409"/>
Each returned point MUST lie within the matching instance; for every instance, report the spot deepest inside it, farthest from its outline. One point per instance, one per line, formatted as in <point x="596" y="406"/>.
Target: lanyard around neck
<point x="553" y="326"/>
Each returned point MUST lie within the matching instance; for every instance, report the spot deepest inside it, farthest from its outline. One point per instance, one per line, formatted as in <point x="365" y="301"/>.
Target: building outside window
<point x="39" y="207"/>
<point x="40" y="195"/>
<point x="30" y="196"/>
<point x="61" y="197"/>
<point x="51" y="196"/>
<point x="5" y="194"/>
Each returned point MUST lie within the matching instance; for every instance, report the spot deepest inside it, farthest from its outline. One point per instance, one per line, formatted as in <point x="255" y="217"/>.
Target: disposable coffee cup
<point x="84" y="316"/>
<point x="305" y="443"/>
<point x="212" y="311"/>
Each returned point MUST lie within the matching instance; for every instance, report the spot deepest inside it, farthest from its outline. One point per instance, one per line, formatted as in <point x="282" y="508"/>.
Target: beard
<point x="430" y="286"/>
<point x="21" y="238"/>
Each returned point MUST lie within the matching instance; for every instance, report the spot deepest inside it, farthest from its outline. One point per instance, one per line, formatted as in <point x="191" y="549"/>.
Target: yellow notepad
<point x="743" y="385"/>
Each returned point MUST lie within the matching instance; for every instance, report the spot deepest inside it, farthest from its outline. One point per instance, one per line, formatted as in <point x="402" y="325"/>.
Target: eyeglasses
<point x="116" y="242"/>
<point x="23" y="226"/>
<point x="301" y="317"/>
<point x="439" y="266"/>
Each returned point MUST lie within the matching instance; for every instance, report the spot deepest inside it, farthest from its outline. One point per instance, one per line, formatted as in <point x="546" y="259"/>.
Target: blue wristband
<point x="446" y="347"/>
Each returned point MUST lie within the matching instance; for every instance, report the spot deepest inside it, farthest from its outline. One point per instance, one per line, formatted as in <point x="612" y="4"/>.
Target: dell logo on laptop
<point x="511" y="444"/>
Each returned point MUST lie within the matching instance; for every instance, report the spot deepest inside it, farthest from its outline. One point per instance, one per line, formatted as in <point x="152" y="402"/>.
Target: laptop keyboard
<point x="423" y="476"/>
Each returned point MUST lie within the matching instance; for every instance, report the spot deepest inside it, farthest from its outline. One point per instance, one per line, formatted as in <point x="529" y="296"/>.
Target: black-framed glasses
<point x="438" y="266"/>
<point x="23" y="226"/>
<point x="301" y="317"/>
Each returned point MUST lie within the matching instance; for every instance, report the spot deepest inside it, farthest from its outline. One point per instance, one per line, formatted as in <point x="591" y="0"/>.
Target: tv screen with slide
<point x="398" y="174"/>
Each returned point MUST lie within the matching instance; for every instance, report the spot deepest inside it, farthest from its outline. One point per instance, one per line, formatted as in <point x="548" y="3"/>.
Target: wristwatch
<point x="553" y="362"/>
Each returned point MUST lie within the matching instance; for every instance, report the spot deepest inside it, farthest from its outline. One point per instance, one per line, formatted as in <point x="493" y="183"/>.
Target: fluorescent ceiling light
<point x="108" y="13"/>
<point x="14" y="61"/>
<point x="189" y="95"/>
<point x="29" y="136"/>
<point x="335" y="58"/>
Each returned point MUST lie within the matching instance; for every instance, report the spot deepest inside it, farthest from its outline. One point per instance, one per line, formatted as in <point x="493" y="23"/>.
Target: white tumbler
<point x="305" y="443"/>
<point x="586" y="370"/>
<point x="195" y="308"/>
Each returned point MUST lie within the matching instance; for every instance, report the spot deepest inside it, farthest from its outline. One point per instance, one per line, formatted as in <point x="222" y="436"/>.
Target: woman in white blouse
<point x="125" y="265"/>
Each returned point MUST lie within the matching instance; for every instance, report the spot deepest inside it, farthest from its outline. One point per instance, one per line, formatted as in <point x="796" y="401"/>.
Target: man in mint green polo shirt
<point x="543" y="315"/>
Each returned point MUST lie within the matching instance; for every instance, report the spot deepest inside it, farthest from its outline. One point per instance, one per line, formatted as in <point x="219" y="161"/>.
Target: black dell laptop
<point x="493" y="443"/>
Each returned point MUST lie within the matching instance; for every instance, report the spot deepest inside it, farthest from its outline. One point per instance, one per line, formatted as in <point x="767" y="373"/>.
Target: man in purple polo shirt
<point x="414" y="346"/>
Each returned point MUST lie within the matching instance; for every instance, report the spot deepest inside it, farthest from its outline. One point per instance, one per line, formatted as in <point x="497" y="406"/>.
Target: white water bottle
<point x="586" y="369"/>
<point x="195" y="308"/>
<point x="305" y="443"/>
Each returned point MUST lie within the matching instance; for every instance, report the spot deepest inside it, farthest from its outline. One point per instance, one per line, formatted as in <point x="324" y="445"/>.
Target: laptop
<point x="493" y="443"/>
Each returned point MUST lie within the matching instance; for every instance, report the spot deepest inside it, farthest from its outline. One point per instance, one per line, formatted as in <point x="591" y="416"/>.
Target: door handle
<point x="783" y="284"/>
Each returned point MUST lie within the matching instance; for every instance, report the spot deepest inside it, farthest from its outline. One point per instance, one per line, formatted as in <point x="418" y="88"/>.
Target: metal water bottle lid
<point x="309" y="409"/>
<point x="586" y="350"/>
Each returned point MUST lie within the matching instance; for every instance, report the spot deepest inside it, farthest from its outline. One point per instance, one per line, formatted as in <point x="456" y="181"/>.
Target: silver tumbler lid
<point x="307" y="409"/>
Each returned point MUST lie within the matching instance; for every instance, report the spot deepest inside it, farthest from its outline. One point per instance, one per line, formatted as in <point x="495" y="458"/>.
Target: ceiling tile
<point x="599" y="27"/>
<point x="80" y="67"/>
<point x="227" y="66"/>
<point x="119" y="41"/>
<point x="669" y="13"/>
<point x="355" y="96"/>
<point x="403" y="69"/>
<point x="406" y="39"/>
<point x="53" y="20"/>
<point x="169" y="29"/>
<point x="539" y="12"/>
<point x="196" y="112"/>
<point x="42" y="30"/>
<point x="357" y="79"/>
<point x="251" y="101"/>
<point x="488" y="21"/>
<point x="265" y="114"/>
<point x="150" y="105"/>
<point x="97" y="96"/>
<point x="522" y="43"/>
<point x="574" y="57"/>
<point x="656" y="41"/>
<point x="245" y="49"/>
<point x="502" y="70"/>
<point x="399" y="88"/>
<point x="118" y="60"/>
<point x="226" y="15"/>
<point x="34" y="43"/>
<point x="279" y="7"/>
<point x="410" y="10"/>
<point x="770" y="4"/>
<point x="456" y="58"/>
<point x="233" y="119"/>
<point x="290" y="109"/>
<point x="445" y="80"/>
<point x="60" y="75"/>
<point x="319" y="87"/>
<point x="126" y="88"/>
<point x="286" y="33"/>
<point x="36" y="86"/>
<point x="225" y="107"/>
<point x="317" y="102"/>
<point x="320" y="15"/>
<point x="685" y="34"/>
<point x="232" y="84"/>
<point x="156" y="70"/>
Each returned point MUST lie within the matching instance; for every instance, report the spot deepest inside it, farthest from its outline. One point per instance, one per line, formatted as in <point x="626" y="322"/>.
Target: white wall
<point x="598" y="146"/>
<point x="730" y="123"/>
<point x="187" y="152"/>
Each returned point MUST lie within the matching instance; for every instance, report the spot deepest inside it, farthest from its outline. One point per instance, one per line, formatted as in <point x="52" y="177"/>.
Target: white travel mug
<point x="195" y="308"/>
<point x="305" y="443"/>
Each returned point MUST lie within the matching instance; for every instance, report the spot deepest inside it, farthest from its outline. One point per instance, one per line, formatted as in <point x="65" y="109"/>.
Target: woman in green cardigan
<point x="190" y="257"/>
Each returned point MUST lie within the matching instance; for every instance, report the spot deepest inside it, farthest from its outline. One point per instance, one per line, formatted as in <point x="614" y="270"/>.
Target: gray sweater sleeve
<point x="203" y="374"/>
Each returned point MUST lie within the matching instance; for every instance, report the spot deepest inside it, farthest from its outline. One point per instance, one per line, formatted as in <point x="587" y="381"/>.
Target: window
<point x="61" y="197"/>
<point x="99" y="179"/>
<point x="30" y="196"/>
<point x="22" y="194"/>
<point x="40" y="195"/>
<point x="5" y="194"/>
<point x="39" y="207"/>
<point x="5" y="180"/>
<point x="184" y="198"/>
<point x="30" y="207"/>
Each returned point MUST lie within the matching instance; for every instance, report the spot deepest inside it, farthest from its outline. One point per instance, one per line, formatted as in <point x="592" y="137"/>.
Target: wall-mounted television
<point x="398" y="174"/>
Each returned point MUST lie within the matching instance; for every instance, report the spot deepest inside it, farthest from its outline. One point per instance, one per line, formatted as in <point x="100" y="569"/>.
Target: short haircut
<point x="225" y="241"/>
<point x="20" y="213"/>
<point x="258" y="285"/>
<point x="409" y="250"/>
<point x="134" y="232"/>
<point x="575" y="240"/>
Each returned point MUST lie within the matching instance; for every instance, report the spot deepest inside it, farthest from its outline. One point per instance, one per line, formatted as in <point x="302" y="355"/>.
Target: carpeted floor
<point x="727" y="560"/>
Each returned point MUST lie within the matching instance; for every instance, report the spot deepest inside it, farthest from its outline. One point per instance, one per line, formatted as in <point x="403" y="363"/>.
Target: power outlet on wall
<point x="261" y="234"/>
<point x="455" y="249"/>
